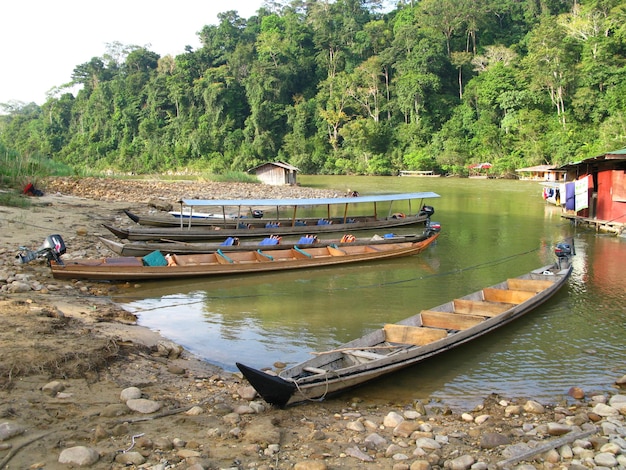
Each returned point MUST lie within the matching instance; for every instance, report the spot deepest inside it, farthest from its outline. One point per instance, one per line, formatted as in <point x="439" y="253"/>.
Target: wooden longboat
<point x="216" y="232"/>
<point x="154" y="266"/>
<point x="410" y="341"/>
<point x="285" y="216"/>
<point x="142" y="248"/>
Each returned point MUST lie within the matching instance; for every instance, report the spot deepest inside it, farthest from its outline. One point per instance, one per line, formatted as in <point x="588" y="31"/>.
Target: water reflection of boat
<point x="412" y="340"/>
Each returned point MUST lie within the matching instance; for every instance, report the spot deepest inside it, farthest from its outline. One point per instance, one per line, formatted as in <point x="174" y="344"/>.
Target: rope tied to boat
<point x="323" y="396"/>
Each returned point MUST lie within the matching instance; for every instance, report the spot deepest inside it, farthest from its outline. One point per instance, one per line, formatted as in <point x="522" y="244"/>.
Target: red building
<point x="597" y="194"/>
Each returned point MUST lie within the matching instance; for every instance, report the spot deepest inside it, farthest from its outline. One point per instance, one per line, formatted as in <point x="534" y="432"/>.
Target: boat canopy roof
<point x="308" y="202"/>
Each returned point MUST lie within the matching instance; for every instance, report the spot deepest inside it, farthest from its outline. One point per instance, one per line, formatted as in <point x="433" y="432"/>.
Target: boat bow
<point x="274" y="390"/>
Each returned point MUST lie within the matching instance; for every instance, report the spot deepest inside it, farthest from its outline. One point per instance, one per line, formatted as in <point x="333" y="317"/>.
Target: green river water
<point x="491" y="230"/>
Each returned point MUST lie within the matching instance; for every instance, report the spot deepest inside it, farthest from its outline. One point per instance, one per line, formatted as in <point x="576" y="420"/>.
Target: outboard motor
<point x="427" y="211"/>
<point x="51" y="249"/>
<point x="563" y="251"/>
<point x="432" y="226"/>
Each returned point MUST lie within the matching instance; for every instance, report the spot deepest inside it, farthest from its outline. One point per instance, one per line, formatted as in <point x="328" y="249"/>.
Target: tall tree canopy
<point x="343" y="87"/>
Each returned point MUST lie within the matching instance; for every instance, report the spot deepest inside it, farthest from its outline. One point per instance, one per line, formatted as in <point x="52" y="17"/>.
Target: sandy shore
<point x="82" y="385"/>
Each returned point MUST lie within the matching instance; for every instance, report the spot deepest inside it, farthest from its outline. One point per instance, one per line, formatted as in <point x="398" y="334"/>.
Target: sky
<point x="42" y="41"/>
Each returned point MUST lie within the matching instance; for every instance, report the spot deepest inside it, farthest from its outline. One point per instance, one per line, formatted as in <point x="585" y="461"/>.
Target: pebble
<point x="392" y="419"/>
<point x="405" y="428"/>
<point x="375" y="441"/>
<point x="310" y="465"/>
<point x="481" y="419"/>
<point x="534" y="407"/>
<point x="356" y="426"/>
<point x="358" y="454"/>
<point x="52" y="388"/>
<point x="460" y="463"/>
<point x="130" y="458"/>
<point x="491" y="440"/>
<point x="130" y="393"/>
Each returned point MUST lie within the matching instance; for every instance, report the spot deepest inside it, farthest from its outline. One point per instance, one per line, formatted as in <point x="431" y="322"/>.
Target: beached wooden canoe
<point x="142" y="248"/>
<point x="157" y="266"/>
<point x="419" y="337"/>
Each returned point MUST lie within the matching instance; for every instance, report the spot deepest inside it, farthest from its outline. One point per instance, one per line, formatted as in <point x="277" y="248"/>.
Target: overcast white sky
<point x="42" y="41"/>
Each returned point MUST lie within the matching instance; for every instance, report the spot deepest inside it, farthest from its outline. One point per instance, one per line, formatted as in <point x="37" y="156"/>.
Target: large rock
<point x="9" y="430"/>
<point x="79" y="455"/>
<point x="143" y="405"/>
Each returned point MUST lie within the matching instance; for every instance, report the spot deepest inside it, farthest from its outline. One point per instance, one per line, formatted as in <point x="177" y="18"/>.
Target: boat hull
<point x="222" y="264"/>
<point x="142" y="248"/>
<point x="216" y="232"/>
<point x="412" y="340"/>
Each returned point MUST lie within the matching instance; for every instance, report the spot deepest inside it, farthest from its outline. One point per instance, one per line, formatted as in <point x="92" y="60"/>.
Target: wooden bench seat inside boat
<point x="449" y="321"/>
<point x="508" y="296"/>
<point x="365" y="354"/>
<point x="480" y="307"/>
<point x="531" y="285"/>
<point x="416" y="335"/>
<point x="314" y="370"/>
<point x="190" y="260"/>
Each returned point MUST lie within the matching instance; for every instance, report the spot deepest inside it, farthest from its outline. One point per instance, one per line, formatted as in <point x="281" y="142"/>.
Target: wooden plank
<point x="479" y="307"/>
<point x="417" y="335"/>
<point x="531" y="285"/>
<point x="124" y="261"/>
<point x="260" y="256"/>
<point x="365" y="354"/>
<point x="314" y="370"/>
<point x="449" y="321"/>
<point x="508" y="296"/>
<point x="335" y="251"/>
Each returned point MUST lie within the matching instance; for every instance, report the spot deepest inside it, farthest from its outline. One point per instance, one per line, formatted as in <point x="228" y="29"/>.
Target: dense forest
<point x="342" y="87"/>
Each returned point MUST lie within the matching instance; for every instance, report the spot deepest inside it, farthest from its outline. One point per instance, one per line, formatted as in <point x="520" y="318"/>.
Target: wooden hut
<point x="275" y="173"/>
<point x="542" y="173"/>
<point x="597" y="194"/>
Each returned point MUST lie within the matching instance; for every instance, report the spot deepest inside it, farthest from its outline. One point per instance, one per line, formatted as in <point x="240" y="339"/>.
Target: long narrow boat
<point x="419" y="337"/>
<point x="142" y="248"/>
<point x="157" y="266"/>
<point x="280" y="224"/>
<point x="257" y="213"/>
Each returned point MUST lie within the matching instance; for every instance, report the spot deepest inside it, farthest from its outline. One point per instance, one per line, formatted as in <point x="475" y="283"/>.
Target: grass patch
<point x="14" y="199"/>
<point x="234" y="177"/>
<point x="17" y="171"/>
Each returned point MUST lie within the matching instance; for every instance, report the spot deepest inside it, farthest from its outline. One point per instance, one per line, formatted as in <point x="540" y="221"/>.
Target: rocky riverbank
<point x="81" y="385"/>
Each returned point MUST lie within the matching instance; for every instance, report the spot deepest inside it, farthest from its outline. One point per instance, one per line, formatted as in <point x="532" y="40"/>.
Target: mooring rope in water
<point x="120" y="299"/>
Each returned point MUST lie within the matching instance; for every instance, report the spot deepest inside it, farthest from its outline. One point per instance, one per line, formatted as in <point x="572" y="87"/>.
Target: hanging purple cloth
<point x="570" y="196"/>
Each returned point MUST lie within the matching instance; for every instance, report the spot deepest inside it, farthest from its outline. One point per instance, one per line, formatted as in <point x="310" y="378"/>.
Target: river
<point x="491" y="230"/>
